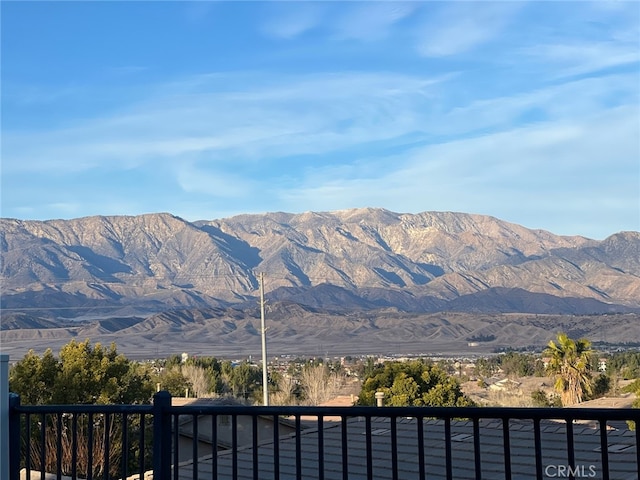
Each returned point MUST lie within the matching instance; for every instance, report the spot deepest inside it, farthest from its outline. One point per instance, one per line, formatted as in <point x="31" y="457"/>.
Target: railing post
<point x="4" y="417"/>
<point x="162" y="436"/>
<point x="13" y="450"/>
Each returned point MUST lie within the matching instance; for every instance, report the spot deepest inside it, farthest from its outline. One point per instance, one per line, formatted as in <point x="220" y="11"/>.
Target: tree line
<point x="83" y="373"/>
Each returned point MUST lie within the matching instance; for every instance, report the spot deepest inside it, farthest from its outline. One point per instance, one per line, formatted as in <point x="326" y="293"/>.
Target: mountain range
<point x="358" y="261"/>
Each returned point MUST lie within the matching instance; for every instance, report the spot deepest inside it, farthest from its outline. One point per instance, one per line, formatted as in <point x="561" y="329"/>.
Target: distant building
<point x="602" y="364"/>
<point x="505" y="385"/>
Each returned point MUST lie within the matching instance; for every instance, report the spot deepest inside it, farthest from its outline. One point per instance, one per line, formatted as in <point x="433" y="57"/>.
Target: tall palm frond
<point x="569" y="361"/>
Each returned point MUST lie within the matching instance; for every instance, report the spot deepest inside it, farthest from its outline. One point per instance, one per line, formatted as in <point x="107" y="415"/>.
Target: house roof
<point x="623" y="401"/>
<point x="622" y="451"/>
<point x="185" y="422"/>
<point x="339" y="401"/>
<point x="204" y="401"/>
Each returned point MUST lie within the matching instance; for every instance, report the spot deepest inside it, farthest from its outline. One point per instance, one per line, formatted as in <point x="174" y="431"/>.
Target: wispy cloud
<point x="572" y="59"/>
<point x="410" y="106"/>
<point x="458" y="27"/>
<point x="522" y="174"/>
<point x="219" y="184"/>
<point x="288" y="20"/>
<point x="312" y="114"/>
<point x="300" y="115"/>
<point x="372" y="20"/>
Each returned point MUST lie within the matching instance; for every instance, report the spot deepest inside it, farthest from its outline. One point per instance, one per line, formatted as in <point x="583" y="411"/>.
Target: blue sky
<point x="526" y="111"/>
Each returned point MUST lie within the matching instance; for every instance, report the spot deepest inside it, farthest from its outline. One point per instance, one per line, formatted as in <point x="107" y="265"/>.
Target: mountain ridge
<point x="370" y="258"/>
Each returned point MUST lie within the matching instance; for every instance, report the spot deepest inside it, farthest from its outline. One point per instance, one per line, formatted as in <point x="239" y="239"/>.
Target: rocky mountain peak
<point x="422" y="261"/>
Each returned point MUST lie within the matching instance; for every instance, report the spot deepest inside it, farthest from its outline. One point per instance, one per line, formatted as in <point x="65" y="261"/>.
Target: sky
<point x="525" y="111"/>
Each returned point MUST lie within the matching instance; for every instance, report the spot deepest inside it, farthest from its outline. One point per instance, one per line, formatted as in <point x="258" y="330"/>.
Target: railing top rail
<point x="82" y="408"/>
<point x="356" y="411"/>
<point x="435" y="412"/>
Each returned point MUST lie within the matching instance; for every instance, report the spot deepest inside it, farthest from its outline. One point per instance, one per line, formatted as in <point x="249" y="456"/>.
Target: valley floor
<point x="445" y="334"/>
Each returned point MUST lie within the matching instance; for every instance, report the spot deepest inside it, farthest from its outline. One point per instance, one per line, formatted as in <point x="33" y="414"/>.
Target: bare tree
<point x="319" y="384"/>
<point x="88" y="457"/>
<point x="285" y="394"/>
<point x="198" y="378"/>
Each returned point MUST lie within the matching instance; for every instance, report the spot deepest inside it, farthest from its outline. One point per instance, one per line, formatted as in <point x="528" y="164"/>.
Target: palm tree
<point x="570" y="363"/>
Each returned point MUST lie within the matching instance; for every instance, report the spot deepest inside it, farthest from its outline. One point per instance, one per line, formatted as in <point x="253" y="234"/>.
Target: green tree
<point x="570" y="364"/>
<point x="624" y="364"/>
<point x="81" y="374"/>
<point x="414" y="383"/>
<point x="539" y="399"/>
<point x="601" y="385"/>
<point x="486" y="367"/>
<point x="633" y="387"/>
<point x="242" y="380"/>
<point x="33" y="378"/>
<point x="517" y="364"/>
<point x="173" y="381"/>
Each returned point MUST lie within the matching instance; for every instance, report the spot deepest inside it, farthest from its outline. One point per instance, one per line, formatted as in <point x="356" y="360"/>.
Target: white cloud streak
<point x="570" y="170"/>
<point x="370" y="21"/>
<point x="299" y="116"/>
<point x="289" y="20"/>
<point x="309" y="115"/>
<point x="458" y="27"/>
<point x="567" y="60"/>
<point x="561" y="145"/>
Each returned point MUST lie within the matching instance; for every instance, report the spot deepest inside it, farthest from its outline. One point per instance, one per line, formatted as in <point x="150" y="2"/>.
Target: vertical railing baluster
<point x="537" y="443"/>
<point x="447" y="452"/>
<point x="604" y="449"/>
<point x="90" y="447"/>
<point x="15" y="442"/>
<point x="176" y="443"/>
<point x="420" y="427"/>
<point x="214" y="443"/>
<point x="394" y="447"/>
<point x="28" y="444"/>
<point x="5" y="420"/>
<point x="476" y="448"/>
<point x="59" y="446"/>
<point x="194" y="453"/>
<point x="141" y="451"/>
<point x="369" y="447"/>
<point x="345" y="453"/>
<point x="320" y="447"/>
<point x="254" y="444"/>
<point x="506" y="443"/>
<point x="125" y="445"/>
<point x="162" y="436"/>
<point x="107" y="445"/>
<point x="43" y="444"/>
<point x="276" y="447"/>
<point x="74" y="446"/>
<point x="637" y="427"/>
<point x="298" y="449"/>
<point x="571" y="454"/>
<point x="234" y="444"/>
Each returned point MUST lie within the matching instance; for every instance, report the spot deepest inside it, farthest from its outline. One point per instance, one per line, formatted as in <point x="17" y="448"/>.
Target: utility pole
<point x="263" y="330"/>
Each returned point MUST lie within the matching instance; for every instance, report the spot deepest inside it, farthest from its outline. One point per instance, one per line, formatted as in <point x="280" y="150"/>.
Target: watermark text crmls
<point x="567" y="471"/>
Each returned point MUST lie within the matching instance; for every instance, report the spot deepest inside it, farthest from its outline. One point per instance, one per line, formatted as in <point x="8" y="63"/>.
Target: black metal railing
<point x="197" y="441"/>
